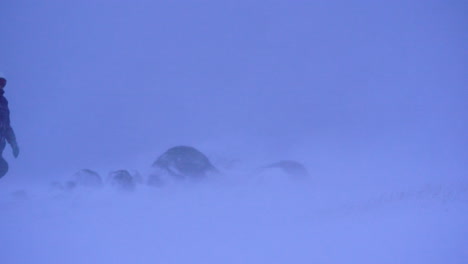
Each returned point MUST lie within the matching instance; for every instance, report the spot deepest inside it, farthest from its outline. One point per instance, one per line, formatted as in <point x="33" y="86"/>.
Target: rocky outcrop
<point x="181" y="162"/>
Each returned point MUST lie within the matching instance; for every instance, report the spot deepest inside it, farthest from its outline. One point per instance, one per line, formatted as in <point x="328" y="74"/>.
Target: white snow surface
<point x="235" y="221"/>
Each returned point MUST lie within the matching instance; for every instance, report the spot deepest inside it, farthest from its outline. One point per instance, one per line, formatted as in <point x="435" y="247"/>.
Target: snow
<point x="236" y="222"/>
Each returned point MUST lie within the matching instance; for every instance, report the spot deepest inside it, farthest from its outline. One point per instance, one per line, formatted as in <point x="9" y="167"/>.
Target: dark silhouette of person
<point x="6" y="132"/>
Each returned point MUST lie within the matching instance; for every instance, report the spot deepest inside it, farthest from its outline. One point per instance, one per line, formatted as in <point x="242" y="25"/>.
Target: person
<point x="6" y="131"/>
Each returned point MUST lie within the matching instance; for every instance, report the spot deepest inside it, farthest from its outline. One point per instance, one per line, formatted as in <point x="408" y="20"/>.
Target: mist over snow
<point x="334" y="132"/>
<point x="213" y="222"/>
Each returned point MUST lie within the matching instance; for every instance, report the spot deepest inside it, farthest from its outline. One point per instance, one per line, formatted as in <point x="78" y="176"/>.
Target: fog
<point x="370" y="96"/>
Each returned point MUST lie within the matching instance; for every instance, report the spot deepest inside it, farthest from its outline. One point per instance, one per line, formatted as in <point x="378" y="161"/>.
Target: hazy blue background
<point x="370" y="95"/>
<point x="367" y="90"/>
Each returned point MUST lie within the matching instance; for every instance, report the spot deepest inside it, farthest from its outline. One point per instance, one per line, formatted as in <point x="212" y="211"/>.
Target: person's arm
<point x="11" y="139"/>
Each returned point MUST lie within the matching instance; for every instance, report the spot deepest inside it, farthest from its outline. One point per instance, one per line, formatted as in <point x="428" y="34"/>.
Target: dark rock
<point x="59" y="186"/>
<point x="85" y="178"/>
<point x="122" y="180"/>
<point x="293" y="169"/>
<point x="182" y="162"/>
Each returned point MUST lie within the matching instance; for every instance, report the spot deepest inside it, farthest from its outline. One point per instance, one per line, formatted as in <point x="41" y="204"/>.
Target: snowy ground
<point x="235" y="222"/>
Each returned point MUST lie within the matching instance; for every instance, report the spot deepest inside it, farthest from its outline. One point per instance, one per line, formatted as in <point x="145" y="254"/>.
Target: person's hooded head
<point x="2" y="81"/>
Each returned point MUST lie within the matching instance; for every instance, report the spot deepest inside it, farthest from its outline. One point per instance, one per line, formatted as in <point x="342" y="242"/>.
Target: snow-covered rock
<point x="86" y="178"/>
<point x="122" y="180"/>
<point x="181" y="162"/>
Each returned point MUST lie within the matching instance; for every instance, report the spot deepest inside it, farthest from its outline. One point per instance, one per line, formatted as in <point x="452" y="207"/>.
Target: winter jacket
<point x="6" y="131"/>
